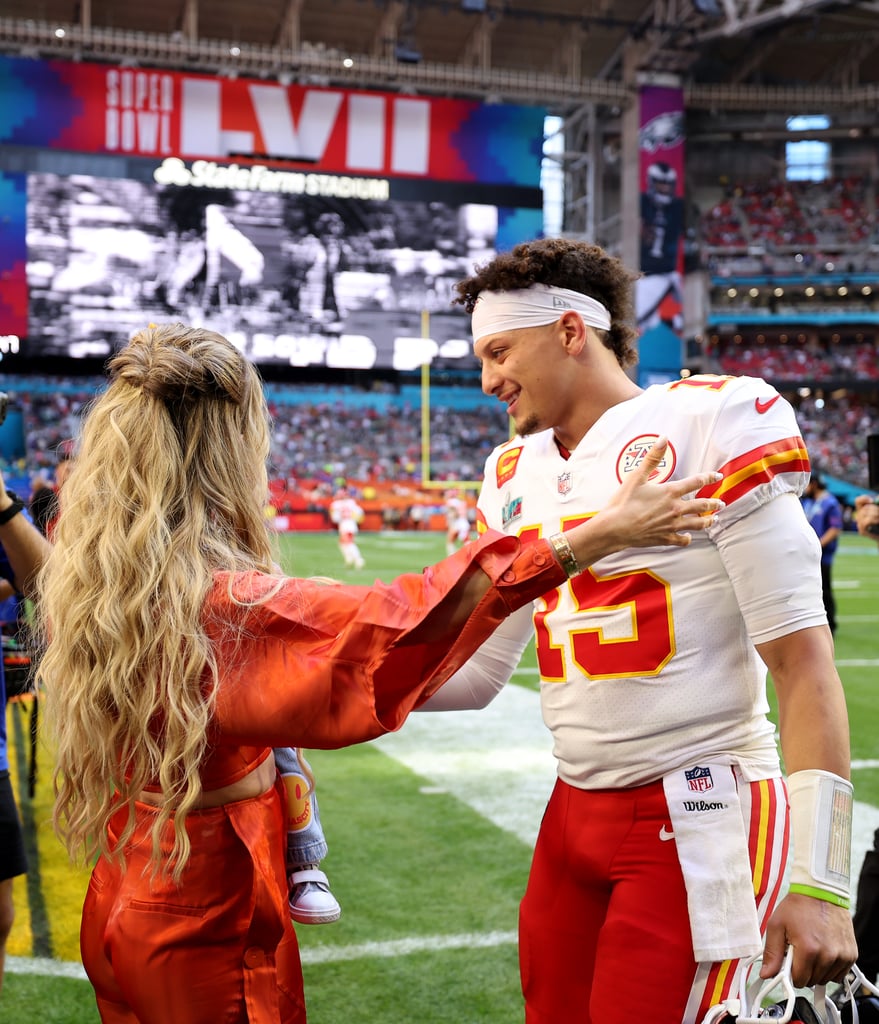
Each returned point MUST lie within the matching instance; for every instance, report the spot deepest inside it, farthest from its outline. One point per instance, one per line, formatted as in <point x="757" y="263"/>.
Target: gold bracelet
<point x="565" y="554"/>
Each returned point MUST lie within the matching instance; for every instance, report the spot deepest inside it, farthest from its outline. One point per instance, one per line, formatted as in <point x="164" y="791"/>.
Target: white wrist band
<point x="821" y="823"/>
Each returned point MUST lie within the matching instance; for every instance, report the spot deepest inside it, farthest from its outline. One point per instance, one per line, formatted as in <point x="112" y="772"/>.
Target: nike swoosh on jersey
<point x="665" y="835"/>
<point x="765" y="404"/>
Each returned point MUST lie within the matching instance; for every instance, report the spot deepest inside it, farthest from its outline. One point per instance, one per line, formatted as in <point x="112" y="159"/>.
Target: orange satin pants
<point x="219" y="947"/>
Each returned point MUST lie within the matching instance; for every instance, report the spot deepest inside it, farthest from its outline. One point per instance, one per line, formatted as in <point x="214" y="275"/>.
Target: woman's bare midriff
<point x="255" y="783"/>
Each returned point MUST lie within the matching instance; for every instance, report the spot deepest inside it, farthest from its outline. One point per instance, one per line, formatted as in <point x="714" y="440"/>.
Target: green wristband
<point x="820" y="894"/>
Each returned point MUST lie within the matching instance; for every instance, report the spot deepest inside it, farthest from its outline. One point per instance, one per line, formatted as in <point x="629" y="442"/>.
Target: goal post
<point x="427" y="481"/>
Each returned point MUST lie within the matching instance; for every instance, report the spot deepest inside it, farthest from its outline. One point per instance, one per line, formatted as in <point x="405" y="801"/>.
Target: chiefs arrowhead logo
<point x="765" y="404"/>
<point x="633" y="453"/>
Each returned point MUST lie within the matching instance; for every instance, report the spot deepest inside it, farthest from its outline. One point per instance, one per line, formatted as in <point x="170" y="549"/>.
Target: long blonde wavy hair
<point x="169" y="486"/>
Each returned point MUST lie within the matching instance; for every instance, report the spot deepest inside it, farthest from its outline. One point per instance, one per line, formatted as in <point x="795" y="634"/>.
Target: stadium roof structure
<point x="729" y="54"/>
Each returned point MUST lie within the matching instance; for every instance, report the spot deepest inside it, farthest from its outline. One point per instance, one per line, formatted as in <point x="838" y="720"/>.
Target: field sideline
<point x="430" y="832"/>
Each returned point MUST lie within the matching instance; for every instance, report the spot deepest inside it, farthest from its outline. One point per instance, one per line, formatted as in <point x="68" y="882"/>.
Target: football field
<point x="430" y="832"/>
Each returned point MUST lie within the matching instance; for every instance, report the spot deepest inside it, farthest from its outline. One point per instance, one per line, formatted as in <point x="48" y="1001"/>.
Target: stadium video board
<point x="300" y="280"/>
<point x="340" y="250"/>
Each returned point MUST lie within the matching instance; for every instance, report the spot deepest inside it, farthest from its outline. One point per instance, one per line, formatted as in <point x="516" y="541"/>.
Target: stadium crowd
<point x="800" y="363"/>
<point x="832" y="215"/>
<point x="317" y="444"/>
<point x="835" y="431"/>
<point x="312" y="439"/>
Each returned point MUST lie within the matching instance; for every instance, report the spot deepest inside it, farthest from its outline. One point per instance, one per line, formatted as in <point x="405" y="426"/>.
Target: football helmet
<point x="751" y="1005"/>
<point x="863" y="1009"/>
<point x="857" y="999"/>
<point x="662" y="180"/>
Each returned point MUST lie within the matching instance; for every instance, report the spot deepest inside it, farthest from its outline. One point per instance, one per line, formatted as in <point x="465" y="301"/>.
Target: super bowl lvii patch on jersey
<point x="511" y="510"/>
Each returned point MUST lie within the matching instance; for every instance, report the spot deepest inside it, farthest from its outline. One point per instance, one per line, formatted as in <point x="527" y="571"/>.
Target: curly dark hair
<point x="565" y="263"/>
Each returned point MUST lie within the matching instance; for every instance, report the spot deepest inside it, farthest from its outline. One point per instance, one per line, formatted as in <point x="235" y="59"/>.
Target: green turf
<point x="856" y="586"/>
<point x="411" y="865"/>
<point x="388" y="838"/>
<point x="34" y="999"/>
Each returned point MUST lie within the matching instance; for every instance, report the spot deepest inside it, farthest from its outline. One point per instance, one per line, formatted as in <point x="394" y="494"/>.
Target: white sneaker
<point x="311" y="901"/>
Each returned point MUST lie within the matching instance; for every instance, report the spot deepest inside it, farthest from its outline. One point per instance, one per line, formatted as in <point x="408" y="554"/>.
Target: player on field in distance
<point x="457" y="524"/>
<point x="661" y="854"/>
<point x="347" y="515"/>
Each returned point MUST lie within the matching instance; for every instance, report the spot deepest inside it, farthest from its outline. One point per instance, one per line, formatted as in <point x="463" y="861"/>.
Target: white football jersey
<point x="647" y="658"/>
<point x="456" y="509"/>
<point x="346" y="514"/>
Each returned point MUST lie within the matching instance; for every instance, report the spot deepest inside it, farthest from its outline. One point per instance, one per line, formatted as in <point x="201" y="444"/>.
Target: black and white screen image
<point x="294" y="280"/>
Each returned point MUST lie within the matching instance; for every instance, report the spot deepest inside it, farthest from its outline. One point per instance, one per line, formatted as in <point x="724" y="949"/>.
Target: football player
<point x="347" y="515"/>
<point x="663" y="848"/>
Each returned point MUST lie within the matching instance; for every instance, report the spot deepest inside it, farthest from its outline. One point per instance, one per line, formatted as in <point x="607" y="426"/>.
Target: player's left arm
<point x="814" y="916"/>
<point x="772" y="557"/>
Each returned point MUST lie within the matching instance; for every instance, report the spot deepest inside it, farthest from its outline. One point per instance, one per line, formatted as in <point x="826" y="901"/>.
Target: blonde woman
<point x="177" y="658"/>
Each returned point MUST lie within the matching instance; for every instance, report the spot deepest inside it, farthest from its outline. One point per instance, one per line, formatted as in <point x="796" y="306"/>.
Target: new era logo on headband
<point x="560" y="303"/>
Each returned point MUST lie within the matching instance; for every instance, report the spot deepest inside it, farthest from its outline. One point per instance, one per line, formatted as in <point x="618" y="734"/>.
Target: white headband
<point x="534" y="306"/>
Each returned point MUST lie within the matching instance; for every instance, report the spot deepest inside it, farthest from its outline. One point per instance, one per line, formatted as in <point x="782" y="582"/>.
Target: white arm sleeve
<point x="773" y="559"/>
<point x="481" y="679"/>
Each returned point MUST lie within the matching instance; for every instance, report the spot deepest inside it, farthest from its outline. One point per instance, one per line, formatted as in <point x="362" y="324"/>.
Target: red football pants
<point x="604" y="931"/>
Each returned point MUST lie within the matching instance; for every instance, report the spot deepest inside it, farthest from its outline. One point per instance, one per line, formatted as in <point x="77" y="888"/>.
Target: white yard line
<point x="403" y="947"/>
<point x="498" y="761"/>
<point x="43" y="966"/>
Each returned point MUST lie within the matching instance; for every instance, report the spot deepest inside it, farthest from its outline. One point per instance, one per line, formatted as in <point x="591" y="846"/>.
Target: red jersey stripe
<point x="758" y="466"/>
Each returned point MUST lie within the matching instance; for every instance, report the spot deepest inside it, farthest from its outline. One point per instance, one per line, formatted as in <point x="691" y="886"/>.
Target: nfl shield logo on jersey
<point x="565" y="483"/>
<point x="699" y="779"/>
